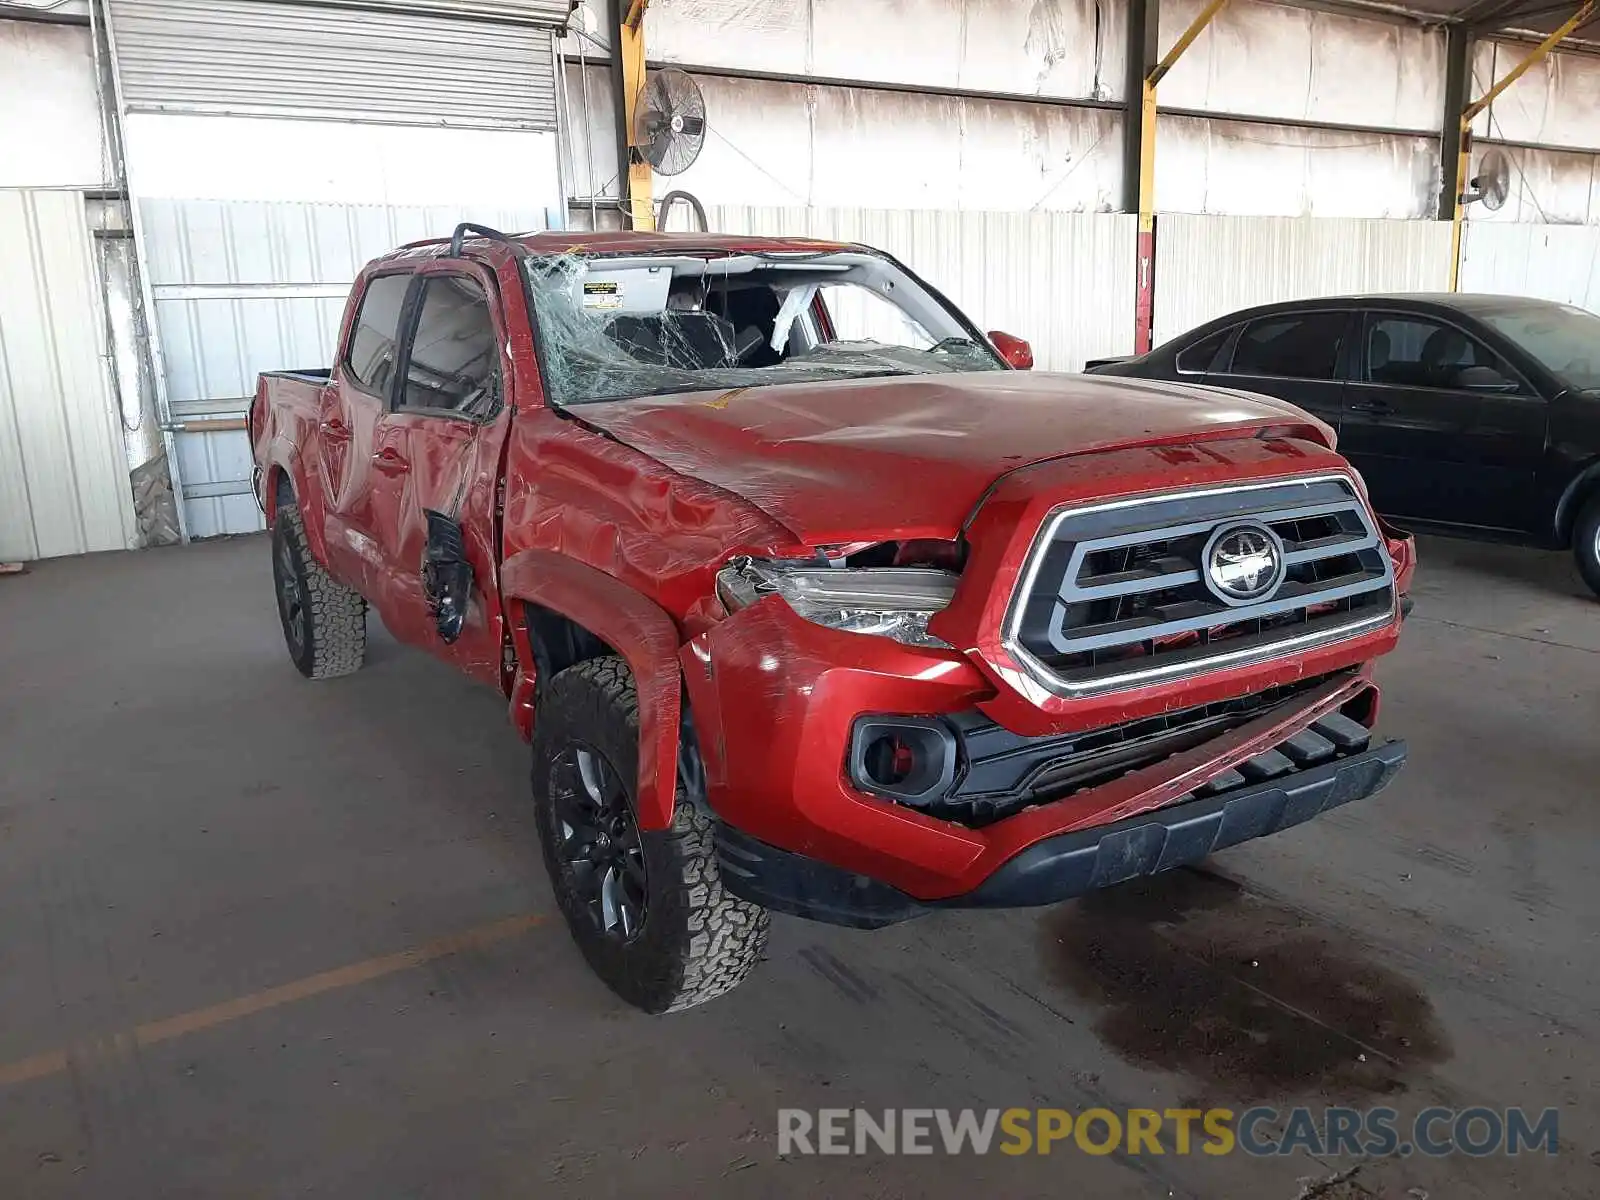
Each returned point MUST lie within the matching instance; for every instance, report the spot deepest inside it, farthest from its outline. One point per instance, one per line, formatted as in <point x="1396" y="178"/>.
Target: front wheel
<point x="1586" y="544"/>
<point x="646" y="908"/>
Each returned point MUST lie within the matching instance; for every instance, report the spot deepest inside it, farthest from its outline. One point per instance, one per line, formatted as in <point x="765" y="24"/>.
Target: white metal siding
<point x="1207" y="266"/>
<point x="1272" y="60"/>
<point x="242" y="288"/>
<point x="1054" y="48"/>
<point x="1554" y="262"/>
<point x="266" y="58"/>
<point x="792" y="144"/>
<point x="1064" y="281"/>
<point x="49" y="112"/>
<point x="63" y="472"/>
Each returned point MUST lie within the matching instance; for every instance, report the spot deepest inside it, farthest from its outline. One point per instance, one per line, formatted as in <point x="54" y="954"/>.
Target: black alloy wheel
<point x="291" y="598"/>
<point x="598" y="839"/>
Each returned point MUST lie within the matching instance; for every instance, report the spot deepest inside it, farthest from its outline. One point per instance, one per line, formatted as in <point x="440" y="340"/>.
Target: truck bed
<point x="316" y="375"/>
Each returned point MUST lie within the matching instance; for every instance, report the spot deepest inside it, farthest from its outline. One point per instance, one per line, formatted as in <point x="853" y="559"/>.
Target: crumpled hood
<point x="910" y="456"/>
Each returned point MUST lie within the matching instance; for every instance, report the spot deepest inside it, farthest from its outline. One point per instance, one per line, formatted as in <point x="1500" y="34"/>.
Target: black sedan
<point x="1474" y="415"/>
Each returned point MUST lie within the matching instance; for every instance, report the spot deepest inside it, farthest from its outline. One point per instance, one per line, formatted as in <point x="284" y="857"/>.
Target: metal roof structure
<point x="1531" y="19"/>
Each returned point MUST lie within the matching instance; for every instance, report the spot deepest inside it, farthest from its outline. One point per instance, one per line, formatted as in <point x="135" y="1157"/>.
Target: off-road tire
<point x="334" y="616"/>
<point x="696" y="941"/>
<point x="1586" y="543"/>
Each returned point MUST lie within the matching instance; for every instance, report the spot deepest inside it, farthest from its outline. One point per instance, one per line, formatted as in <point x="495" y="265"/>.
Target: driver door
<point x="438" y="449"/>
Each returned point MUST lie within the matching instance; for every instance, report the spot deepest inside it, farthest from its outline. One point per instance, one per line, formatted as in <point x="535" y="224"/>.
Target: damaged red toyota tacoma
<point x="810" y="597"/>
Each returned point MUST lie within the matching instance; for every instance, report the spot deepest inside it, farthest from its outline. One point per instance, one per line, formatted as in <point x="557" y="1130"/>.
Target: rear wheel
<point x="324" y="622"/>
<point x="646" y="907"/>
<point x="1586" y="543"/>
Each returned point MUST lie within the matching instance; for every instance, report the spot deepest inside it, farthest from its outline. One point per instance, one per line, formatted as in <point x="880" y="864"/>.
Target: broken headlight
<point x="893" y="602"/>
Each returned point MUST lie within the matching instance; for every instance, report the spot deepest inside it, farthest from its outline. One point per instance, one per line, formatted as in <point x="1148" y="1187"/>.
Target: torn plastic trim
<point x="446" y="575"/>
<point x="892" y="602"/>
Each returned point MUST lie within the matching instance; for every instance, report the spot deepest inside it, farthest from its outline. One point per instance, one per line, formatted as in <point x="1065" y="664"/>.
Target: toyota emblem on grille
<point x="1243" y="563"/>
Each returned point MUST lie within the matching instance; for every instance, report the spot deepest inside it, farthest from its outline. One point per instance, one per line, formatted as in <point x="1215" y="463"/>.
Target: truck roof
<point x="626" y="241"/>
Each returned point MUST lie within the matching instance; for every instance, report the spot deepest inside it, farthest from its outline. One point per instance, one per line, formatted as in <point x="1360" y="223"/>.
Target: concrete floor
<point x="265" y="937"/>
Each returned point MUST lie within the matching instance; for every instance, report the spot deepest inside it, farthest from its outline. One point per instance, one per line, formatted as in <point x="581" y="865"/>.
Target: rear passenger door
<point x="439" y="449"/>
<point x="1294" y="356"/>
<point x="354" y="404"/>
<point x="1442" y="427"/>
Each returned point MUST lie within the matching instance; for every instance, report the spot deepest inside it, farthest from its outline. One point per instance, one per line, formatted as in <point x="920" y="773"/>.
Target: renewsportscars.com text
<point x="1261" y="1131"/>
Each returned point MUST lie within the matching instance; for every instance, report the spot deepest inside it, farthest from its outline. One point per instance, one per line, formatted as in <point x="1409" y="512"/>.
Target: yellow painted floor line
<point x="154" y="1032"/>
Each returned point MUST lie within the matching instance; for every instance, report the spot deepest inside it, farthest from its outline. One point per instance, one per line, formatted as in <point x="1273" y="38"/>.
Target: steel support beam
<point x="1144" y="51"/>
<point x="1457" y="80"/>
<point x="1143" y="93"/>
<point x="627" y="78"/>
<point x="1470" y="114"/>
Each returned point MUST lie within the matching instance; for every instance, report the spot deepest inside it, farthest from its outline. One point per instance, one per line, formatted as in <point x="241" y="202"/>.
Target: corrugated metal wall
<point x="774" y="143"/>
<point x="537" y="12"/>
<point x="63" y="473"/>
<point x="1208" y="266"/>
<point x="258" y="56"/>
<point x="1064" y="281"/>
<point x="242" y="288"/>
<point x="1556" y="262"/>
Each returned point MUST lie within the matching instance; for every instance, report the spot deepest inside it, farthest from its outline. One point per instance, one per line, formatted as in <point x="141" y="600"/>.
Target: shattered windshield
<point x="616" y="328"/>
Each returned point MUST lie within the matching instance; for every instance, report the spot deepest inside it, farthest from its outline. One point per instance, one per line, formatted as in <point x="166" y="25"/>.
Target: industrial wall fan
<point x="1492" y="184"/>
<point x="669" y="122"/>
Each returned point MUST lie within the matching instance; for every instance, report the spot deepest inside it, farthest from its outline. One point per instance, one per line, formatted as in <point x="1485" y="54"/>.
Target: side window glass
<point x="371" y="357"/>
<point x="455" y="357"/>
<point x="1417" y="352"/>
<point x="1200" y="357"/>
<point x="860" y="315"/>
<point x="1301" y="346"/>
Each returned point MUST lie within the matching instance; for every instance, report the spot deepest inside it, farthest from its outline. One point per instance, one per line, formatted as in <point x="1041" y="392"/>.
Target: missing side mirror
<point x="446" y="575"/>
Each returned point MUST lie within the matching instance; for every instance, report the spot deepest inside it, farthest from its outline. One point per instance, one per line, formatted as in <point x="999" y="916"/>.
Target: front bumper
<point x="1069" y="864"/>
<point x="774" y="698"/>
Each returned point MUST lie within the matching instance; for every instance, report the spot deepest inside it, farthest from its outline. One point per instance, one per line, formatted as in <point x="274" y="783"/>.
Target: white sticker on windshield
<point x="602" y="294"/>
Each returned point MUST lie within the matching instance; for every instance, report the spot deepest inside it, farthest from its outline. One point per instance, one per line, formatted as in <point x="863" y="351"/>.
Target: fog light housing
<point x="910" y="760"/>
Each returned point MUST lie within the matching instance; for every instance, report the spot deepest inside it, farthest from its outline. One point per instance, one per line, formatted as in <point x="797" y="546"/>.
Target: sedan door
<point x="1294" y="356"/>
<point x="1443" y="428"/>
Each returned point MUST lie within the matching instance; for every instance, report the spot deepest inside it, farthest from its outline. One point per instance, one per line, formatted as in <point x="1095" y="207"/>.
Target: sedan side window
<point x="1418" y="352"/>
<point x="454" y="364"/>
<point x="1296" y="346"/>
<point x="1202" y="356"/>
<point x="371" y="356"/>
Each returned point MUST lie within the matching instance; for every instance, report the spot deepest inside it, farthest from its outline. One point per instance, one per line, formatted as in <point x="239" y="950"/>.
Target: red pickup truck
<point x="810" y="598"/>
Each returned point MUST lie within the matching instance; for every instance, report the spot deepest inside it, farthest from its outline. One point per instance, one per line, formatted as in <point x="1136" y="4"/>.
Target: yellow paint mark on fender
<point x="725" y="399"/>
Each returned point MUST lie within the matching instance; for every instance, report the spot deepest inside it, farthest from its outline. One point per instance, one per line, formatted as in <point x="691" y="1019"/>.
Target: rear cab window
<point x="372" y="356"/>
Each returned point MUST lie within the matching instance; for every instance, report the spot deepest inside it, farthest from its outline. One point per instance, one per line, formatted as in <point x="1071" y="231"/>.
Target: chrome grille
<point x="1116" y="595"/>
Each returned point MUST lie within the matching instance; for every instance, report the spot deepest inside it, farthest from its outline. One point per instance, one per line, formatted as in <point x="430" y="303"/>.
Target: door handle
<point x="1378" y="407"/>
<point x="390" y="461"/>
<point x="335" y="428"/>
